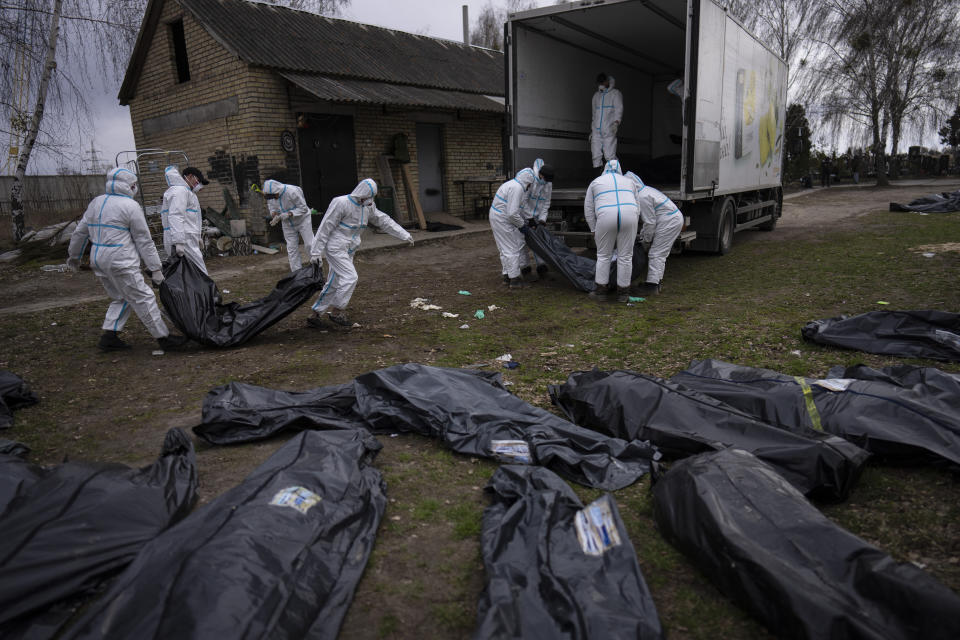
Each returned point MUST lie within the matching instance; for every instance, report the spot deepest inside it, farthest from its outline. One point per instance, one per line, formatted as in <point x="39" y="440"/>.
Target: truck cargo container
<point x="716" y="151"/>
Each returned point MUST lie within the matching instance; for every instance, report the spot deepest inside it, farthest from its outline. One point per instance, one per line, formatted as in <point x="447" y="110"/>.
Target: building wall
<point x="235" y="150"/>
<point x="471" y="147"/>
<point x="229" y="117"/>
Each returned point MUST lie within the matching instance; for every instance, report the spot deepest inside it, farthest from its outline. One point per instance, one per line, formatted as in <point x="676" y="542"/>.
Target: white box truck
<point x="716" y="151"/>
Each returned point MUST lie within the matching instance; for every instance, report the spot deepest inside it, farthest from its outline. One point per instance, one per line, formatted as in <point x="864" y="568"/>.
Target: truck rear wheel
<point x="728" y="214"/>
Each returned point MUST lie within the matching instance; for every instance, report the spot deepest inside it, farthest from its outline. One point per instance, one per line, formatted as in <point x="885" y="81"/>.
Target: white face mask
<point x="600" y="87"/>
<point x="197" y="187"/>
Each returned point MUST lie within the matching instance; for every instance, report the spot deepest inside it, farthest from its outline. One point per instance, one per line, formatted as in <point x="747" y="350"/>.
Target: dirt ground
<point x="117" y="407"/>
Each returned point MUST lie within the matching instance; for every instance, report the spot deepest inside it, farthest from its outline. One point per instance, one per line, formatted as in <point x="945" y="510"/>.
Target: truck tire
<point x="728" y="214"/>
<point x="777" y="212"/>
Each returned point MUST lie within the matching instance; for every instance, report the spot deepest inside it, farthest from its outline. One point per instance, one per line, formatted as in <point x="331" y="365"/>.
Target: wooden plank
<point x="386" y="175"/>
<point x="267" y="250"/>
<point x="408" y="183"/>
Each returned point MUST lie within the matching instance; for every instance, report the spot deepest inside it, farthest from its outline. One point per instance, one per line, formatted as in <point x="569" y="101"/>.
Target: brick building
<point x="250" y="91"/>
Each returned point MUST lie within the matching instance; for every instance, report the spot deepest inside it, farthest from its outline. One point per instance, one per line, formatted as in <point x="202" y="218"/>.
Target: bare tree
<point x="922" y="59"/>
<point x="858" y="69"/>
<point x="488" y="29"/>
<point x="96" y="37"/>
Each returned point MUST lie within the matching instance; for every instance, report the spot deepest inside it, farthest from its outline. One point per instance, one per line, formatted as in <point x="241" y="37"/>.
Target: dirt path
<point x="815" y="211"/>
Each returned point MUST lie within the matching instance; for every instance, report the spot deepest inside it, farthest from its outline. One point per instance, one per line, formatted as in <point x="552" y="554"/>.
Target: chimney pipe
<point x="466" y="24"/>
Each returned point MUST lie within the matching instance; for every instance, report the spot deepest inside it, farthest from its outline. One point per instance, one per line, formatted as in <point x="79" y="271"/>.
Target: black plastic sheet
<point x="469" y="411"/>
<point x="69" y="527"/>
<point x="579" y="270"/>
<point x="14" y="394"/>
<point x="935" y="203"/>
<point x="768" y="549"/>
<point x="556" y="569"/>
<point x="682" y="422"/>
<point x="278" y="556"/>
<point x="16" y="474"/>
<point x="903" y="415"/>
<point x="191" y="300"/>
<point x="911" y="334"/>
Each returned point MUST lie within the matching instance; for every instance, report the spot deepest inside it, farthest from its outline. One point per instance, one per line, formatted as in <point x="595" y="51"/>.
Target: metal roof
<point x="284" y="39"/>
<point x="365" y="91"/>
<point x="298" y="41"/>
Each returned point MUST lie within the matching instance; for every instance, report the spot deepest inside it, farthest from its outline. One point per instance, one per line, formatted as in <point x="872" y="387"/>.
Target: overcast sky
<point x="113" y="133"/>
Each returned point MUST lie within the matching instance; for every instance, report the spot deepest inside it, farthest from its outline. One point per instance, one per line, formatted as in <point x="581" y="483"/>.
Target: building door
<point x="328" y="164"/>
<point x="430" y="166"/>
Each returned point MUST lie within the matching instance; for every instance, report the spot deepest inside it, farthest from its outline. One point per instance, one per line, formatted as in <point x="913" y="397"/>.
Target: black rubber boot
<point x="623" y="294"/>
<point x="541" y="269"/>
<point x="506" y="279"/>
<point x="527" y="274"/>
<point x="173" y="342"/>
<point x="600" y="293"/>
<point x="340" y="319"/>
<point x="648" y="289"/>
<point x="517" y="283"/>
<point x="110" y="341"/>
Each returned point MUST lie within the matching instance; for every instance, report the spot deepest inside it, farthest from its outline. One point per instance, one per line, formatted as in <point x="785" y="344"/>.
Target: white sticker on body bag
<point x="298" y="498"/>
<point x="513" y="451"/>
<point x="834" y="384"/>
<point x="596" y="530"/>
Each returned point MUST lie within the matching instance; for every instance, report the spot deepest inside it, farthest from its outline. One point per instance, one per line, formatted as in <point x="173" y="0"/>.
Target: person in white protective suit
<point x="337" y="238"/>
<point x="537" y="204"/>
<point x="607" y="113"/>
<point x="611" y="211"/>
<point x="288" y="207"/>
<point x="662" y="223"/>
<point x="182" y="219"/>
<point x="506" y="218"/>
<point x="116" y="230"/>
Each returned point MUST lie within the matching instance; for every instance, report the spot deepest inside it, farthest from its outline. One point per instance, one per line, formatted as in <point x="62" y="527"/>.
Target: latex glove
<point x="274" y="221"/>
<point x="157" y="277"/>
<point x="410" y="241"/>
<point x="316" y="260"/>
<point x="646" y="246"/>
<point x="73" y="264"/>
<point x="181" y="249"/>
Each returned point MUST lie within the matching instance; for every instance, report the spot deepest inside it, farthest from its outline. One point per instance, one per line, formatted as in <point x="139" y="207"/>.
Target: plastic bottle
<point x="60" y="268"/>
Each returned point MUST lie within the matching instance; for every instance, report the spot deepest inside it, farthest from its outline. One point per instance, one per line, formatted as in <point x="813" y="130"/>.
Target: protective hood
<point x="635" y="178"/>
<point x="613" y="166"/>
<point x="537" y="164"/>
<point x="120" y="182"/>
<point x="173" y="177"/>
<point x="367" y="188"/>
<point x="273" y="187"/>
<point x="525" y="178"/>
<point x="613" y="83"/>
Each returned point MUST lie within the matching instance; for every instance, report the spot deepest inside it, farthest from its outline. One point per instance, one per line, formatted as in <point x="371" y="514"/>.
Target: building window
<point x="180" y="50"/>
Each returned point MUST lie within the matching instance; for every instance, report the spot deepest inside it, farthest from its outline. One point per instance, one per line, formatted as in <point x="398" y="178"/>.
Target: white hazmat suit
<point x="662" y="223"/>
<point x="537" y="204"/>
<point x="338" y="237"/>
<point x="611" y="211"/>
<point x="183" y="221"/>
<point x="116" y="229"/>
<point x="605" y="120"/>
<point x="506" y="217"/>
<point x="294" y="214"/>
